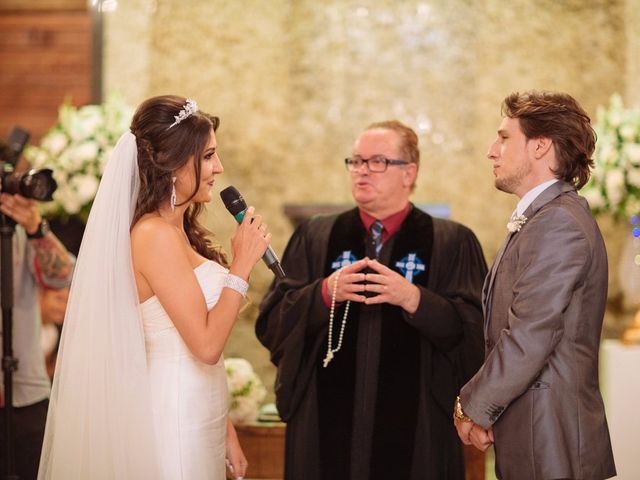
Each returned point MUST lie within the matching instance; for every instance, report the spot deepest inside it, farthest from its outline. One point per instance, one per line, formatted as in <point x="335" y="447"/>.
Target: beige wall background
<point x="295" y="81"/>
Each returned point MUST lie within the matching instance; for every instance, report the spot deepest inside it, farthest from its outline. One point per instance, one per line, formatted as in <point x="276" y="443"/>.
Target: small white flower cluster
<point x="76" y="148"/>
<point x="615" y="182"/>
<point x="246" y="391"/>
<point x="516" y="223"/>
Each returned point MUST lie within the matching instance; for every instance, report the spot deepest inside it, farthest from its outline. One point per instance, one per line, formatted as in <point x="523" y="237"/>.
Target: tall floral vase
<point x="629" y="277"/>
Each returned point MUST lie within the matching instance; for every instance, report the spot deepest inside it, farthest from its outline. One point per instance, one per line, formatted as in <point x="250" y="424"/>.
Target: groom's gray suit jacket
<point x="544" y="302"/>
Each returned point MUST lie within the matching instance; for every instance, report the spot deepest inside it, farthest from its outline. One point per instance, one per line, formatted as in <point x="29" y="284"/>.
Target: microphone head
<point x="233" y="201"/>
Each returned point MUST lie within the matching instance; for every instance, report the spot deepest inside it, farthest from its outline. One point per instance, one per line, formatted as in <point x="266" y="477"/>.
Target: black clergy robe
<point x="382" y="408"/>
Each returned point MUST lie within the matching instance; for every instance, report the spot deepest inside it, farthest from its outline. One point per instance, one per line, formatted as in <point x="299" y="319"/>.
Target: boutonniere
<point x="516" y="223"/>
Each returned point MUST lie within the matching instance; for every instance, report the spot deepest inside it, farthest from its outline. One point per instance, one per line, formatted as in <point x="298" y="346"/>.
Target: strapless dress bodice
<point x="189" y="398"/>
<point x="210" y="276"/>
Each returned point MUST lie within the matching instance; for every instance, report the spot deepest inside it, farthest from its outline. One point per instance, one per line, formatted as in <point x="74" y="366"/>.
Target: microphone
<point x="237" y="207"/>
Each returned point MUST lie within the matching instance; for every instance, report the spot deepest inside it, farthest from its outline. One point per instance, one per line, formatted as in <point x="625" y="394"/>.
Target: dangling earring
<point x="173" y="194"/>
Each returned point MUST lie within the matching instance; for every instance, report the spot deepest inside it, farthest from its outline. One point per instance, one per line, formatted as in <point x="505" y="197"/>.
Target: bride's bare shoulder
<point x="151" y="232"/>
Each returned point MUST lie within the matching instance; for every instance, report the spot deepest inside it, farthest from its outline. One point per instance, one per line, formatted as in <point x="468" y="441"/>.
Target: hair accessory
<point x="189" y="109"/>
<point x="174" y="198"/>
<point x="236" y="283"/>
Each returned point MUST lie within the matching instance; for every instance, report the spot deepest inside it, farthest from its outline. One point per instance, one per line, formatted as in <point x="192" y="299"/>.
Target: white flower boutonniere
<point x="516" y="223"/>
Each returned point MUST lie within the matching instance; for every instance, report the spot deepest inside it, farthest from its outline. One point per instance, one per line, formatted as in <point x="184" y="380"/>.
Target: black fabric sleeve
<point x="293" y="314"/>
<point x="451" y="308"/>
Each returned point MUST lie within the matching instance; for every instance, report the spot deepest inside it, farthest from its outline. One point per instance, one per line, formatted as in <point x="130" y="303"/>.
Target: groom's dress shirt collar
<point x="531" y="195"/>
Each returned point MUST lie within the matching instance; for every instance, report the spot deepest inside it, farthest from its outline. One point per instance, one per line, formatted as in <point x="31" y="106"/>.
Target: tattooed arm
<point x="54" y="262"/>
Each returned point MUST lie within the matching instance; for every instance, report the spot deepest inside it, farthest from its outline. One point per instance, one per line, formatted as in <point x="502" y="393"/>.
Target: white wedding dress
<point x="189" y="399"/>
<point x="129" y="401"/>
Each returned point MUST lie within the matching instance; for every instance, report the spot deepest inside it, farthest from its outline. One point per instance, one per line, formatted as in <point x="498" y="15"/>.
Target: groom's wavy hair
<point x="161" y="151"/>
<point x="557" y="116"/>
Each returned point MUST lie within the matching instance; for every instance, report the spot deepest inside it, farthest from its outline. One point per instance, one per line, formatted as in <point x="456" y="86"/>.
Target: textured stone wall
<point x="295" y="81"/>
<point x="126" y="50"/>
<point x="632" y="76"/>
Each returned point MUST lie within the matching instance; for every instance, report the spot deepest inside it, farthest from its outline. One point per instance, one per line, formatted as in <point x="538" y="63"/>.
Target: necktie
<point x="376" y="233"/>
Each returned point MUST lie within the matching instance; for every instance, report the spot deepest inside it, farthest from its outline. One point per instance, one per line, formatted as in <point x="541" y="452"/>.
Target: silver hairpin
<point x="189" y="109"/>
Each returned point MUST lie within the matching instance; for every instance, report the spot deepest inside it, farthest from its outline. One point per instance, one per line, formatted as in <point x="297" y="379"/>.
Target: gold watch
<point x="458" y="413"/>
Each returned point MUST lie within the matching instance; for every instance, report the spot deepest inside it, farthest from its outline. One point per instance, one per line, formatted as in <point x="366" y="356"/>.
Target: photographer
<point x="39" y="259"/>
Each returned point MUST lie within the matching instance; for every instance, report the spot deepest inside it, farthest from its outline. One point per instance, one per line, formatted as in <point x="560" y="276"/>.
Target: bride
<point x="140" y="389"/>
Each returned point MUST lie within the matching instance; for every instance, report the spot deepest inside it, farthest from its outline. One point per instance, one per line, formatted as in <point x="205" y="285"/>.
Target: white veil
<point x="99" y="424"/>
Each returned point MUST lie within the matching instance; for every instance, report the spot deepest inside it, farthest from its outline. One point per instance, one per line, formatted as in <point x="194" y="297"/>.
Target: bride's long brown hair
<point x="161" y="151"/>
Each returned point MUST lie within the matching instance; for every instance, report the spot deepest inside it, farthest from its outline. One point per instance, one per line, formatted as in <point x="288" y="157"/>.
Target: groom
<point x="537" y="394"/>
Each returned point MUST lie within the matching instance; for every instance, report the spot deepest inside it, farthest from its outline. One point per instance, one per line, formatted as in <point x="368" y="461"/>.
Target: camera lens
<point x="35" y="184"/>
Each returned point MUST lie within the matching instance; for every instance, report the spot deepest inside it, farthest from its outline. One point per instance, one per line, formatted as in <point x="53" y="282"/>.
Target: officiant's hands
<point x="390" y="287"/>
<point x="347" y="282"/>
<point x="367" y="275"/>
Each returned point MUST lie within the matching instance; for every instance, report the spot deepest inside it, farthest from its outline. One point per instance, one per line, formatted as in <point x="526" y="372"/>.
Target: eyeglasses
<point x="377" y="163"/>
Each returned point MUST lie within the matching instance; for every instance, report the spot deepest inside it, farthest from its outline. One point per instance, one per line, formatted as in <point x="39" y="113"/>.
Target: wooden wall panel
<point x="45" y="57"/>
<point x="41" y="5"/>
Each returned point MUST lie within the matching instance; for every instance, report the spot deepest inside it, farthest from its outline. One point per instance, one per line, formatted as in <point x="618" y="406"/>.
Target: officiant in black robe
<point x="369" y="393"/>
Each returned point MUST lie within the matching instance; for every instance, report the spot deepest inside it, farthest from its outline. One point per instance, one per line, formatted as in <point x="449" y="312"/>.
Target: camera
<point x="37" y="184"/>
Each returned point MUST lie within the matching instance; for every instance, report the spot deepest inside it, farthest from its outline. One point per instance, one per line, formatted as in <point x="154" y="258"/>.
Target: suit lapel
<point x="554" y="191"/>
<point x="488" y="282"/>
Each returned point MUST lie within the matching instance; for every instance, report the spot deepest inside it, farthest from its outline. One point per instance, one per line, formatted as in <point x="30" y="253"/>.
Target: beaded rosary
<point x="330" y="350"/>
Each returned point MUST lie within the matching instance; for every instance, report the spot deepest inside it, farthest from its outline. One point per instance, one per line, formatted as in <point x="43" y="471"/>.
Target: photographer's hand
<point x="54" y="261"/>
<point x="22" y="210"/>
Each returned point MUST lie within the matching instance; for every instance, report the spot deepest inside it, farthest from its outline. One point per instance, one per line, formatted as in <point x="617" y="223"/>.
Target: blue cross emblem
<point x="344" y="259"/>
<point x="410" y="266"/>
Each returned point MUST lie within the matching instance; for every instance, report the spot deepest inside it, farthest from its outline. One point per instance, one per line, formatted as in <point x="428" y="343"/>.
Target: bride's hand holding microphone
<point x="248" y="244"/>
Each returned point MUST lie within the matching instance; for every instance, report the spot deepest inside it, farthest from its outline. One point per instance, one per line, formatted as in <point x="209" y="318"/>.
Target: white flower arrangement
<point x="76" y="148"/>
<point x="515" y="224"/>
<point x="614" y="186"/>
<point x="246" y="391"/>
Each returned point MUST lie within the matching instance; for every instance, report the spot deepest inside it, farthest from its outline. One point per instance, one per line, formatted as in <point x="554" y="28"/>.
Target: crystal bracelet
<point x="236" y="283"/>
